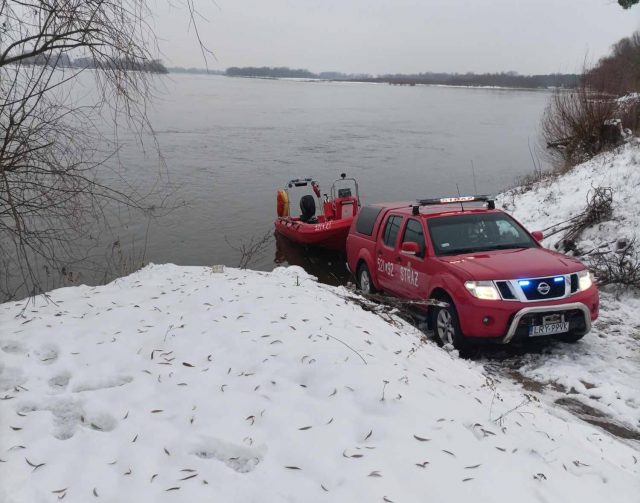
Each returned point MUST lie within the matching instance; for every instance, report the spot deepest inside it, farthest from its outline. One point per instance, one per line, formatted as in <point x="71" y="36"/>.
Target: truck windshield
<point x="477" y="232"/>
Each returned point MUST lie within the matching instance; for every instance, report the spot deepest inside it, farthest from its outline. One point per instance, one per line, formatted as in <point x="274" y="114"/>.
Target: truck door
<point x="387" y="259"/>
<point x="411" y="268"/>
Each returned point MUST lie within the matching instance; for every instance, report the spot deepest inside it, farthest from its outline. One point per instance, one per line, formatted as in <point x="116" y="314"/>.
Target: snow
<point x="629" y="98"/>
<point x="185" y="384"/>
<point x="558" y="198"/>
<point x="603" y="371"/>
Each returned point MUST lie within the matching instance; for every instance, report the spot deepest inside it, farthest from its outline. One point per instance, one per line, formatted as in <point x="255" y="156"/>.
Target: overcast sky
<point x="403" y="36"/>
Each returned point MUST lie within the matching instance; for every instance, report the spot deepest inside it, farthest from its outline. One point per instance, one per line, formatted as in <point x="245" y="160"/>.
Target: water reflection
<point x="328" y="266"/>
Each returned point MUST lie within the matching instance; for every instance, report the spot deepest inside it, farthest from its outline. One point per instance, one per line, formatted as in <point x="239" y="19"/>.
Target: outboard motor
<point x="308" y="208"/>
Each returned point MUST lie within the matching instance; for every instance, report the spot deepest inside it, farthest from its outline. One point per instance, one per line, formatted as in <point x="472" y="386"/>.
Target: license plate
<point x="549" y="329"/>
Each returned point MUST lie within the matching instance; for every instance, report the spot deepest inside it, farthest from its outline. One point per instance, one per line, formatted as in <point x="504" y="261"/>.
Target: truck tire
<point x="365" y="284"/>
<point x="446" y="325"/>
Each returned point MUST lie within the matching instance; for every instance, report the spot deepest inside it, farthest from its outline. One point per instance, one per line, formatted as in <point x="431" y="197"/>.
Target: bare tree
<point x="52" y="137"/>
<point x="572" y="124"/>
<point x="619" y="266"/>
<point x="583" y="122"/>
<point x="601" y="111"/>
<point x="252" y="249"/>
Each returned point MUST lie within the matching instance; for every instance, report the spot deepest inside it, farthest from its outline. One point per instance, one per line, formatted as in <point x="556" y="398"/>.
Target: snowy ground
<point x="603" y="370"/>
<point x="181" y="384"/>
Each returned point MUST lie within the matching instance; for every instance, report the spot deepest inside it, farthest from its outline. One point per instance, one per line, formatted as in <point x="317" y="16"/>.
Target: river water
<point x="229" y="143"/>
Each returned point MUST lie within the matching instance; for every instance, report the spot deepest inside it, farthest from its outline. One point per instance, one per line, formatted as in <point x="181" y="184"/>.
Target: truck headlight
<point x="484" y="290"/>
<point x="585" y="280"/>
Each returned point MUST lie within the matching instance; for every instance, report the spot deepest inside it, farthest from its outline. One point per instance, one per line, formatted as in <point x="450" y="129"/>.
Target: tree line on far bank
<point x="62" y="60"/>
<point x="283" y="72"/>
<point x="502" y="79"/>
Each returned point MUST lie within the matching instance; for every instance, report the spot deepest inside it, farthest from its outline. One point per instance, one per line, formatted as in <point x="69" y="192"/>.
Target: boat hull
<point x="331" y="235"/>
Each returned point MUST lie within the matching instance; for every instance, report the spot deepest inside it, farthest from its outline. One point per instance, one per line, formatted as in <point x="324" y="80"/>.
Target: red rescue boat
<point x="328" y="229"/>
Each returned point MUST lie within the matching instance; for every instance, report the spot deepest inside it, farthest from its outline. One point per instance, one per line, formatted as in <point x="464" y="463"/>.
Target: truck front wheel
<point x="364" y="280"/>
<point x="446" y="325"/>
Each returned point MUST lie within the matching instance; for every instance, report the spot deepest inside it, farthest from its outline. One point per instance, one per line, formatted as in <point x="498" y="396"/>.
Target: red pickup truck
<point x="495" y="279"/>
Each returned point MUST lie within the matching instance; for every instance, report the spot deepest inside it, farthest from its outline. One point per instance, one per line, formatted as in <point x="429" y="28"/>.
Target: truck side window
<point x="413" y="233"/>
<point x="366" y="219"/>
<point x="391" y="230"/>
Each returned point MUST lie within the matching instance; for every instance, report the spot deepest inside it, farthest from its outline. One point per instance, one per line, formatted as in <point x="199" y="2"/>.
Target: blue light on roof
<point x="559" y="279"/>
<point x="524" y="282"/>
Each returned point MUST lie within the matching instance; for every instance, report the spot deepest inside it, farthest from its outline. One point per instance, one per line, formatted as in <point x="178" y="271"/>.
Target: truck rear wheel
<point x="364" y="280"/>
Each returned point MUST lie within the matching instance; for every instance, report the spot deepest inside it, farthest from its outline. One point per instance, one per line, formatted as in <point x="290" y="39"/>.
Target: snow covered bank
<point x="181" y="384"/>
<point x="603" y="371"/>
<point x="556" y="199"/>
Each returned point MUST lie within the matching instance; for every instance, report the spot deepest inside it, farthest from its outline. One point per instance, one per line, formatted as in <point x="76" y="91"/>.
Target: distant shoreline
<point x="368" y="81"/>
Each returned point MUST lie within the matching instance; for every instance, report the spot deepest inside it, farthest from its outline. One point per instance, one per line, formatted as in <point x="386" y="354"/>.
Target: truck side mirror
<point x="410" y="248"/>
<point x="538" y="236"/>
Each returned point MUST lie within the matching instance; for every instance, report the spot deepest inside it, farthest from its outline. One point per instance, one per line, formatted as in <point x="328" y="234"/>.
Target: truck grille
<point x="543" y="288"/>
<point x="574" y="283"/>
<point x="505" y="290"/>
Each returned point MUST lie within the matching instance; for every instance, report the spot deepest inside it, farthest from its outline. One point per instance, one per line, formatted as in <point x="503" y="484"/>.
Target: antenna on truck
<point x="461" y="205"/>
<point x="473" y="172"/>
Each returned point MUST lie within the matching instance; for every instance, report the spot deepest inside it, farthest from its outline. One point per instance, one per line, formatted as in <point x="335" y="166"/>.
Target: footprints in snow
<point x="60" y="381"/>
<point x="47" y="354"/>
<point x="68" y="414"/>
<point x="95" y="384"/>
<point x="12" y="346"/>
<point x="10" y="377"/>
<point x="239" y="458"/>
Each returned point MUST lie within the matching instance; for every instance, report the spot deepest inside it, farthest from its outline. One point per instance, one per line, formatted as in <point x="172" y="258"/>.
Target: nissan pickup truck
<point x="493" y="279"/>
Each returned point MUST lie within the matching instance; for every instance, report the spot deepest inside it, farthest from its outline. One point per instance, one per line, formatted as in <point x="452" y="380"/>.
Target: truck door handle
<point x="379" y="253"/>
<point x="398" y="259"/>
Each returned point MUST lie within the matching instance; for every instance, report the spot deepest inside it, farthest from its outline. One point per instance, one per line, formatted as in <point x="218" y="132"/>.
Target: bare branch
<point x="60" y="182"/>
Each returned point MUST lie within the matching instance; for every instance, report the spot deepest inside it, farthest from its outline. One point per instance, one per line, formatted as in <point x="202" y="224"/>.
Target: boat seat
<point x="308" y="208"/>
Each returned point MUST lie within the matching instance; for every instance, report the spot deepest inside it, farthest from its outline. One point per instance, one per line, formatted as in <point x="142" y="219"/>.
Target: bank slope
<point x="556" y="199"/>
<point x="602" y="371"/>
<point x="181" y="384"/>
